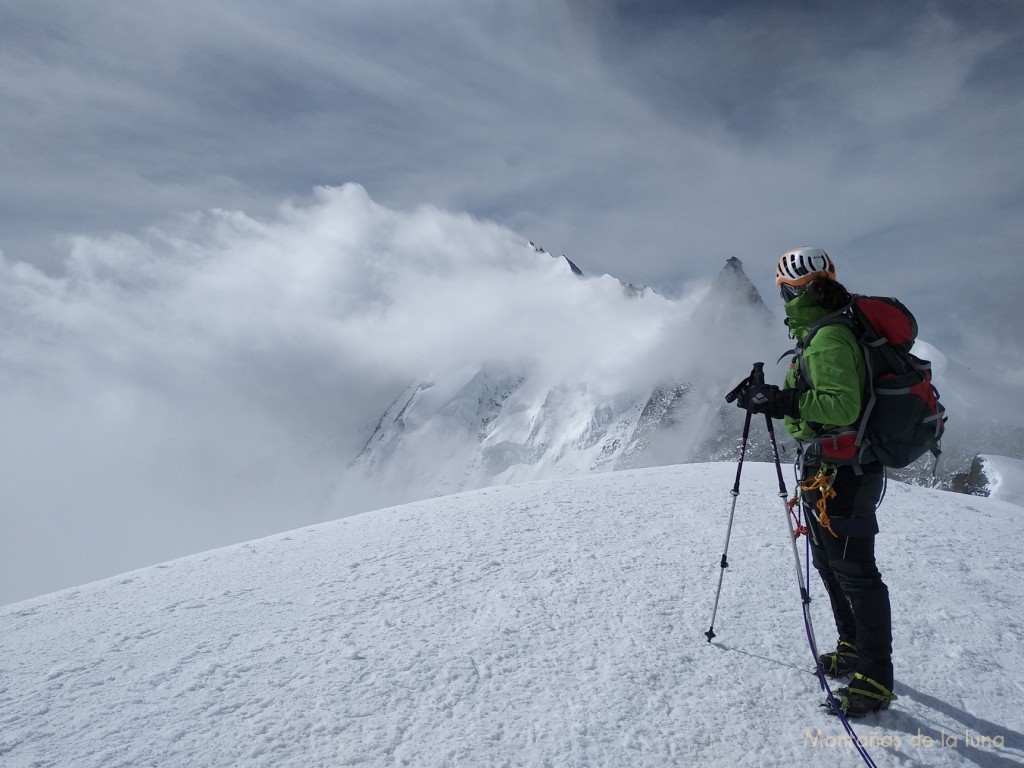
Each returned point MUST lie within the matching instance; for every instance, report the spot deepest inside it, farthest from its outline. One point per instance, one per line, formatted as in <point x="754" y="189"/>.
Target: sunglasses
<point x="790" y="292"/>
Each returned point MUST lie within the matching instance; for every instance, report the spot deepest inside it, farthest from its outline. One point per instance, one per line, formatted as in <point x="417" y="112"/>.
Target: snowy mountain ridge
<point x="548" y="623"/>
<point x="499" y="423"/>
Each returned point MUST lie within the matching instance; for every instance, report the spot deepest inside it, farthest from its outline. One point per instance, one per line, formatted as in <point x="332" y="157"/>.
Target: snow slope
<point x="1006" y="478"/>
<point x="553" y="623"/>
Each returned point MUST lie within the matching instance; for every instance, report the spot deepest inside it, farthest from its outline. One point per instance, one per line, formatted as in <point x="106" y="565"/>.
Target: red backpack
<point x="902" y="418"/>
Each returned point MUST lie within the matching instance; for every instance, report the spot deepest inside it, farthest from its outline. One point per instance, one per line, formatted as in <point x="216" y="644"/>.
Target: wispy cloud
<point x="209" y="379"/>
<point x="677" y="138"/>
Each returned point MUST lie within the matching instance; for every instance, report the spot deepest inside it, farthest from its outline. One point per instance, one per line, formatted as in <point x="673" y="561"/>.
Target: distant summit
<point x="734" y="278"/>
<point x="730" y="301"/>
<point x="575" y="270"/>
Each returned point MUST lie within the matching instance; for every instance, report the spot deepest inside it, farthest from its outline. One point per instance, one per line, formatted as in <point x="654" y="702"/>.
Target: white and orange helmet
<point x="799" y="267"/>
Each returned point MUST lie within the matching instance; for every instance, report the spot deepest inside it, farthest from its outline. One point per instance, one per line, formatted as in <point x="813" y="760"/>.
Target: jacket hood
<point x="801" y="313"/>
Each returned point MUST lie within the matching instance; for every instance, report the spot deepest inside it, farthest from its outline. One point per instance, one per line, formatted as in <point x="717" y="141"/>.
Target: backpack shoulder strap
<point x="842" y="316"/>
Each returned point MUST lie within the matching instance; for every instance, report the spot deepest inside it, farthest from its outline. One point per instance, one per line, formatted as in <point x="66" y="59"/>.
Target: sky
<point x="223" y="224"/>
<point x="645" y="139"/>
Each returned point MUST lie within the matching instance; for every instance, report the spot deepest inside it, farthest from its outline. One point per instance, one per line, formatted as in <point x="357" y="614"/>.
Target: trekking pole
<point x="805" y="596"/>
<point x="757" y="371"/>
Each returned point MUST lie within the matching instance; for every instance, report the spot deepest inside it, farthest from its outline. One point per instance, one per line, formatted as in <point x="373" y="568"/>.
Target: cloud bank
<point x="208" y="380"/>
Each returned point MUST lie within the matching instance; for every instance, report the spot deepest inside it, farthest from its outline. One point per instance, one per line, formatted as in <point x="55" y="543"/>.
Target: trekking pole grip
<point x="757" y="374"/>
<point x="756" y="377"/>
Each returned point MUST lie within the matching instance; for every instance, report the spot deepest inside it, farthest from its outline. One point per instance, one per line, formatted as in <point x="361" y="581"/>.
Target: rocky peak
<point x="732" y="295"/>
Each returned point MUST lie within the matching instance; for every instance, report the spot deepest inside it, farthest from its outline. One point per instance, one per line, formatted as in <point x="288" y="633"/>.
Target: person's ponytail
<point x="829" y="294"/>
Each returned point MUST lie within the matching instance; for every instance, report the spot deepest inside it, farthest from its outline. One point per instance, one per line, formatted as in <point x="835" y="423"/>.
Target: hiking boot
<point x="862" y="697"/>
<point x="841" y="661"/>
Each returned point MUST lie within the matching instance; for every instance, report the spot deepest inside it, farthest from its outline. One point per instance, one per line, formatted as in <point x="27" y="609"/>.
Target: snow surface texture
<point x="553" y="623"/>
<point x="1005" y="478"/>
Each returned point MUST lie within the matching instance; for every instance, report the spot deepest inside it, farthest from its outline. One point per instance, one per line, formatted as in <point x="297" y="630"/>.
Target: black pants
<point x="846" y="563"/>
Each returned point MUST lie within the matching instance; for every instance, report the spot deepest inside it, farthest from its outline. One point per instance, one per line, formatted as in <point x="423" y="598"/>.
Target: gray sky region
<point x="647" y="140"/>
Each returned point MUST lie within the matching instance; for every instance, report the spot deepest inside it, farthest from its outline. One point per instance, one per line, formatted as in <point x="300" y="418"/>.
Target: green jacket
<point x="835" y="367"/>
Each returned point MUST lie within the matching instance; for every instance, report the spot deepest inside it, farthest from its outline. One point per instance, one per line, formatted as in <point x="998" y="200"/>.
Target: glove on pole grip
<point x="756" y="377"/>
